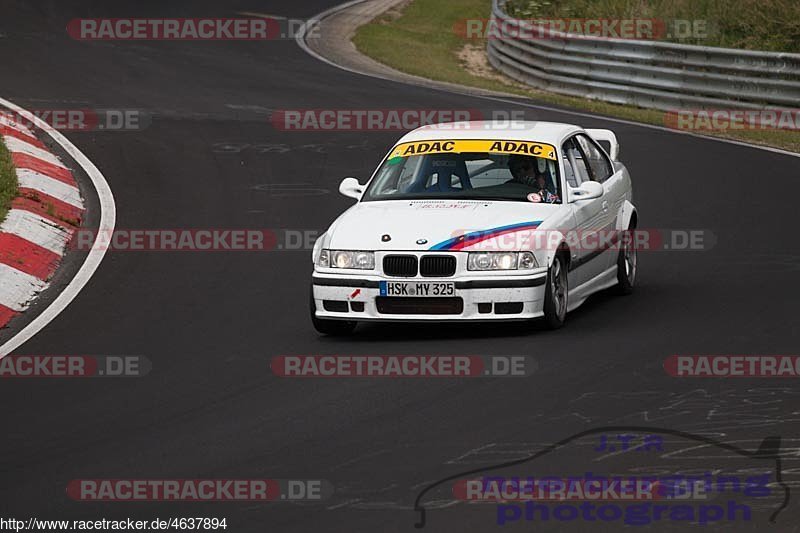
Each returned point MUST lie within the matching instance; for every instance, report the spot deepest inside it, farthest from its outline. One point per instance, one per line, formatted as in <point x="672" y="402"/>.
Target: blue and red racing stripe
<point x="469" y="239"/>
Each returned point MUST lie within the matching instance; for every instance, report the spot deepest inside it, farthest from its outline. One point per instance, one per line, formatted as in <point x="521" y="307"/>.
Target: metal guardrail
<point x="649" y="74"/>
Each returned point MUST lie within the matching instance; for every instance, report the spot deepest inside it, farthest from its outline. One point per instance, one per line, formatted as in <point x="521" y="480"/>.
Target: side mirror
<point x="351" y="188"/>
<point x="588" y="190"/>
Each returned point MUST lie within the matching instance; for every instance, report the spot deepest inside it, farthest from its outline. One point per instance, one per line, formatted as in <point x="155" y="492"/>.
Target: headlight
<point x="492" y="261"/>
<point x="500" y="261"/>
<point x="347" y="259"/>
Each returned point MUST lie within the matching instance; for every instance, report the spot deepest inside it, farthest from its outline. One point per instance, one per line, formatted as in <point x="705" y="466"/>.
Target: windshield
<point x="481" y="170"/>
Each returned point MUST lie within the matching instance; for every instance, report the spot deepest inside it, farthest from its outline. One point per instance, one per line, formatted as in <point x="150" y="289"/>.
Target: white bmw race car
<point x="470" y="222"/>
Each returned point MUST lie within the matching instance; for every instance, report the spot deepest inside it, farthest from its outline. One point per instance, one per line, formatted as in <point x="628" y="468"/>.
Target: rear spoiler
<point x="609" y="137"/>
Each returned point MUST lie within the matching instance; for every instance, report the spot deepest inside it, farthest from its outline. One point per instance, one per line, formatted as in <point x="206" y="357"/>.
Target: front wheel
<point x="329" y="327"/>
<point x="627" y="263"/>
<point x="555" y="296"/>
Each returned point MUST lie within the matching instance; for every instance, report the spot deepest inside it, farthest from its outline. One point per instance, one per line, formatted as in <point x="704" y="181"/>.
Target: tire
<point x="329" y="327"/>
<point x="556" y="293"/>
<point x="627" y="265"/>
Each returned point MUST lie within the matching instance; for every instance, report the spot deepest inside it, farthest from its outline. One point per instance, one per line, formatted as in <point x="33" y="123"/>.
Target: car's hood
<point x="439" y="223"/>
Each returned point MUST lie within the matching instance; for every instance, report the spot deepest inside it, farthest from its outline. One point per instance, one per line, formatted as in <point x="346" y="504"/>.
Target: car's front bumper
<point x="342" y="296"/>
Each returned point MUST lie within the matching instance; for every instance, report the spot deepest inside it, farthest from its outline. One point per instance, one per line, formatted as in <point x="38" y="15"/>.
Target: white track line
<point x="300" y="38"/>
<point x="36" y="229"/>
<point x="108" y="217"/>
<point x="30" y="179"/>
<point x="261" y="15"/>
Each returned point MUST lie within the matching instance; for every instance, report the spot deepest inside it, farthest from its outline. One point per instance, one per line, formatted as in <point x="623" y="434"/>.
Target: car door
<point x="588" y="260"/>
<point x="602" y="170"/>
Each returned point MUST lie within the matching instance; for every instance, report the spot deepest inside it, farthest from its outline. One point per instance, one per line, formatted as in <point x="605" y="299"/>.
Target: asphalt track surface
<point x="210" y="322"/>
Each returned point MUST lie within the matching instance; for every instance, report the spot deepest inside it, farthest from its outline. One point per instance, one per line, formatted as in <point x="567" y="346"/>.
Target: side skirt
<point x="579" y="294"/>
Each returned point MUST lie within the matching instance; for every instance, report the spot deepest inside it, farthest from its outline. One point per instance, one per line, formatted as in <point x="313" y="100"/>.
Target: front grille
<point x="437" y="266"/>
<point x="402" y="266"/>
<point x="400" y="305"/>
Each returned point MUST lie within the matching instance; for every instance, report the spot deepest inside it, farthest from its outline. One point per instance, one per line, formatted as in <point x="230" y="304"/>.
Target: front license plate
<point x="417" y="288"/>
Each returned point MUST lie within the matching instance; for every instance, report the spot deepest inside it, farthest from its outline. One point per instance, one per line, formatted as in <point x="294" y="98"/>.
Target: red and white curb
<point x="41" y="222"/>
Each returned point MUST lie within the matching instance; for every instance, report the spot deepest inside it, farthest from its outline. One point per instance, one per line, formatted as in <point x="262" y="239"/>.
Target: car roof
<point x="534" y="131"/>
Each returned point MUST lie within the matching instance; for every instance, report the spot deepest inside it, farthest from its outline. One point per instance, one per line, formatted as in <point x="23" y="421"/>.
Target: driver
<point x="525" y="171"/>
<point x="522" y="167"/>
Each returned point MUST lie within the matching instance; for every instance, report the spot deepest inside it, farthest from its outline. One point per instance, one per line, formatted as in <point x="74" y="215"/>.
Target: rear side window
<point x="598" y="163"/>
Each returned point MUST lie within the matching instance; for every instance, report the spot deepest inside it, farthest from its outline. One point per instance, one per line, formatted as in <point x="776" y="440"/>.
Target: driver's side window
<point x="598" y="163"/>
<point x="576" y="170"/>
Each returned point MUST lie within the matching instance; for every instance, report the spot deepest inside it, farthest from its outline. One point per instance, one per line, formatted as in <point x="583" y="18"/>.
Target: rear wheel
<point x="329" y="327"/>
<point x="555" y="296"/>
<point x="627" y="263"/>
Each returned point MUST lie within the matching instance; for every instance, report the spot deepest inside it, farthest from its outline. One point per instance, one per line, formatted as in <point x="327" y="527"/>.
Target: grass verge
<point x="769" y="25"/>
<point x="8" y="180"/>
<point x="419" y="40"/>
